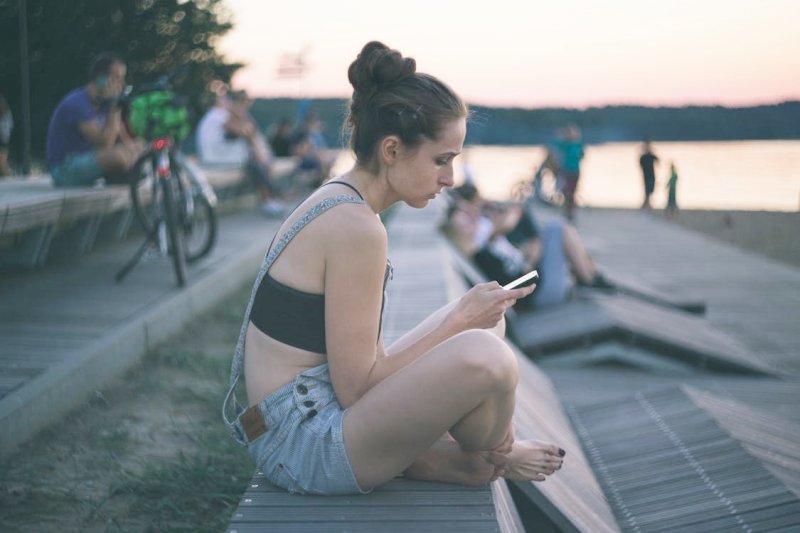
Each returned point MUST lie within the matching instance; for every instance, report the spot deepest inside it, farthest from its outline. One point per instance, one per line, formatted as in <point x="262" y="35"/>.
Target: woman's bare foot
<point x="446" y="462"/>
<point x="533" y="460"/>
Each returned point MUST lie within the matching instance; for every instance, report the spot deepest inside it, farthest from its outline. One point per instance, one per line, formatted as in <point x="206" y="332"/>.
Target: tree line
<point x="155" y="37"/>
<point x="518" y="126"/>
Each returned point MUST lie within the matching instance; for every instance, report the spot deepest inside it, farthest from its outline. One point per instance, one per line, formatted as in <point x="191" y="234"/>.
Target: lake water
<point x="747" y="175"/>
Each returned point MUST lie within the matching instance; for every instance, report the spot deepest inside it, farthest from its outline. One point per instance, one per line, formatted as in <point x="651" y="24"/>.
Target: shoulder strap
<point x="342" y="183"/>
<point x="269" y="259"/>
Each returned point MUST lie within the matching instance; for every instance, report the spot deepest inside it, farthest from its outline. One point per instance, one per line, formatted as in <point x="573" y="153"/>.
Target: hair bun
<point x="378" y="65"/>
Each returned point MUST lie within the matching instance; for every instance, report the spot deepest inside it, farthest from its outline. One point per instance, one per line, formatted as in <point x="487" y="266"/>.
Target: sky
<point x="528" y="53"/>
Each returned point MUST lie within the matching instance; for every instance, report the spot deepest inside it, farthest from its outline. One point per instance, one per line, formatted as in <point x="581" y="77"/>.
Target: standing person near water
<point x="672" y="192"/>
<point x="570" y="154"/>
<point x="331" y="410"/>
<point x="648" y="161"/>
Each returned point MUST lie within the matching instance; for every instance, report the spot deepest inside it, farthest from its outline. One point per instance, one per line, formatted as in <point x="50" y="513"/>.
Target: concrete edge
<point x="59" y="390"/>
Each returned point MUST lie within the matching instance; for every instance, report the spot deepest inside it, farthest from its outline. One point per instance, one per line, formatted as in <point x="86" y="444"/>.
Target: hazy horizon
<point x="571" y="54"/>
<point x="555" y="107"/>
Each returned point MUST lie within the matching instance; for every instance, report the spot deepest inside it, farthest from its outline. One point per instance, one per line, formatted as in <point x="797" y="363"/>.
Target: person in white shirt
<point x="228" y="136"/>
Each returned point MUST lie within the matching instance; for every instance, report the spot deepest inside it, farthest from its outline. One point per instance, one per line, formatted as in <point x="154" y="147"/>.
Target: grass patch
<point x="148" y="453"/>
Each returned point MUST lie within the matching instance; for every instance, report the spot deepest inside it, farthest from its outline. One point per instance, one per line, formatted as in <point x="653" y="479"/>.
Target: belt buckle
<point x="253" y="423"/>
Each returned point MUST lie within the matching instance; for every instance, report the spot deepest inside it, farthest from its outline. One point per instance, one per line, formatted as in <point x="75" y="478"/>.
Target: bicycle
<point x="171" y="199"/>
<point x="543" y="187"/>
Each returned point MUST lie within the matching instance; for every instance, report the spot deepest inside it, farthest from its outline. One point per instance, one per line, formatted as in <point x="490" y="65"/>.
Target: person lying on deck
<point x="505" y="242"/>
<point x="330" y="409"/>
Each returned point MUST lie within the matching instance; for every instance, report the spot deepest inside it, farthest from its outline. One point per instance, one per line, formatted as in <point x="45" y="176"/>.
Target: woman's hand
<point x="483" y="306"/>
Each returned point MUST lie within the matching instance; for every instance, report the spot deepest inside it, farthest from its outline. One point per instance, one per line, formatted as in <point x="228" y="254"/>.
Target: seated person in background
<point x="281" y="139"/>
<point x="86" y="139"/>
<point x="308" y="144"/>
<point x="228" y="135"/>
<point x="505" y="242"/>
<point x="6" y="126"/>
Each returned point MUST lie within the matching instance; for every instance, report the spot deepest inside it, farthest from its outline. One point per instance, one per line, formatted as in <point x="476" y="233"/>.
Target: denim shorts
<point x="303" y="450"/>
<point x="77" y="170"/>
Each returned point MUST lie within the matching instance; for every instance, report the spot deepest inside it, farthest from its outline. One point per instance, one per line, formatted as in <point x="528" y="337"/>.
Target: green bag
<point x="159" y="114"/>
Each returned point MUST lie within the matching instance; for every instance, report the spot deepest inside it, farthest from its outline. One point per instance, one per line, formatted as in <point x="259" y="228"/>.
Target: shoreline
<point x="771" y="233"/>
<point x="774" y="234"/>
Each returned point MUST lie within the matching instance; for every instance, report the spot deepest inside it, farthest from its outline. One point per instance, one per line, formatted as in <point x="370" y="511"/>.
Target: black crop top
<point x="295" y="317"/>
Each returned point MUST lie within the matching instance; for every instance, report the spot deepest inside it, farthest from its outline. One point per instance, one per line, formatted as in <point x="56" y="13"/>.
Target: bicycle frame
<point x="163" y="171"/>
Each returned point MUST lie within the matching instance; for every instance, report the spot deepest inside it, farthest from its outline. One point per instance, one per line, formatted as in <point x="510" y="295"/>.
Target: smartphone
<point x="533" y="274"/>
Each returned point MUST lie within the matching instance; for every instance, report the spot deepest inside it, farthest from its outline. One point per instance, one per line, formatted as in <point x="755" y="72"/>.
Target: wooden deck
<point x="68" y="328"/>
<point x="667" y="464"/>
<point x="753" y="299"/>
<point x="702" y="450"/>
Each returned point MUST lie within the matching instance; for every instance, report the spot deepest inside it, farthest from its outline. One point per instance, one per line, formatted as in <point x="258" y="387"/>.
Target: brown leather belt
<point x="253" y="423"/>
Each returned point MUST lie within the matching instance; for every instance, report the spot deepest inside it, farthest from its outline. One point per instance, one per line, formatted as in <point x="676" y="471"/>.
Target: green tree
<point x="153" y="36"/>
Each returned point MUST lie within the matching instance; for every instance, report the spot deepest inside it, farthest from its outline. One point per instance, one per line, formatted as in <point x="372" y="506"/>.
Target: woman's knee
<point x="499" y="330"/>
<point x="483" y="356"/>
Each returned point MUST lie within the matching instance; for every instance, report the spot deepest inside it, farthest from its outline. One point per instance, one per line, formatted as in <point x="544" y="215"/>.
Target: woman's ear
<point x="389" y="149"/>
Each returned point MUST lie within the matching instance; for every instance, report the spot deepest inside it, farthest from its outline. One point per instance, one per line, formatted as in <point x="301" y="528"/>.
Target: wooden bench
<point x="32" y="210"/>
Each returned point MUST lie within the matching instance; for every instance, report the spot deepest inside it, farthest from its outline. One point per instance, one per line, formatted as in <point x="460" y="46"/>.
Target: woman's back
<point x="294" y="284"/>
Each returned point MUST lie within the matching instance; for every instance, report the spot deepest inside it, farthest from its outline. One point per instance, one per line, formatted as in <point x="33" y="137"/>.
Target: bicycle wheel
<point x="199" y="225"/>
<point x="144" y="194"/>
<point x="196" y="216"/>
<point x="521" y="191"/>
<point x="177" y="247"/>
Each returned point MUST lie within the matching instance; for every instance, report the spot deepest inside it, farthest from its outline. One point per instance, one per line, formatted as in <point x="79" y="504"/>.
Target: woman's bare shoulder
<point x="354" y="225"/>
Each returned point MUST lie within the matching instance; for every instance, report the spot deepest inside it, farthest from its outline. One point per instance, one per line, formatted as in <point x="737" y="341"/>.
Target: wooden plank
<point x="374" y="527"/>
<point x="675" y="466"/>
<point x="750" y="297"/>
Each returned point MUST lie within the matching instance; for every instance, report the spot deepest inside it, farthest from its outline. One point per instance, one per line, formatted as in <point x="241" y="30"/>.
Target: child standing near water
<point x="672" y="202"/>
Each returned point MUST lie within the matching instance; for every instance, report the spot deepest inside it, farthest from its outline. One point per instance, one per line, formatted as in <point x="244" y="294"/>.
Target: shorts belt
<point x="252" y="422"/>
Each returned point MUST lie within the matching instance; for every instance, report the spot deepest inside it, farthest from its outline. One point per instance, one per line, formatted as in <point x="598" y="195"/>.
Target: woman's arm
<point x="482" y="307"/>
<point x="355" y="264"/>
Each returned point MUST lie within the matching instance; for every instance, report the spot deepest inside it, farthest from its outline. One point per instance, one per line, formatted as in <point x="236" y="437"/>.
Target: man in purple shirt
<point x="86" y="139"/>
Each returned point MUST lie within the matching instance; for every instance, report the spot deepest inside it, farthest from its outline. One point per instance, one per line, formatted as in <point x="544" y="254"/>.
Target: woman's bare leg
<point x="464" y="385"/>
<point x="446" y="461"/>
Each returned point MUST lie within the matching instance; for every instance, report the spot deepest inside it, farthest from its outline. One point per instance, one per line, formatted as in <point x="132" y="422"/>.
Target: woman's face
<point x="421" y="173"/>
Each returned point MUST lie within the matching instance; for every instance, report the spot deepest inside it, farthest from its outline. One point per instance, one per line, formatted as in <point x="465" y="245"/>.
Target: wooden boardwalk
<point x="702" y="450"/>
<point x="68" y="328"/>
<point x="751" y="298"/>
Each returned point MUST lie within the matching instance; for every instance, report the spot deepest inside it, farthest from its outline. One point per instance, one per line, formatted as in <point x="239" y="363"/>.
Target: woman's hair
<point x="391" y="98"/>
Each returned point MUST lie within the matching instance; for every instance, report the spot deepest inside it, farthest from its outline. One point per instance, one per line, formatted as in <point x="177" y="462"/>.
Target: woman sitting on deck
<point x="331" y="410"/>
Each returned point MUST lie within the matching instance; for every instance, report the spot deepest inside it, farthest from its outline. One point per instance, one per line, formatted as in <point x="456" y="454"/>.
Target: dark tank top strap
<point x="343" y="183"/>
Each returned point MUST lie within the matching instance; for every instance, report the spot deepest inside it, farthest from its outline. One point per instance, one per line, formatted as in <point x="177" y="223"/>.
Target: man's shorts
<point x="77" y="170"/>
